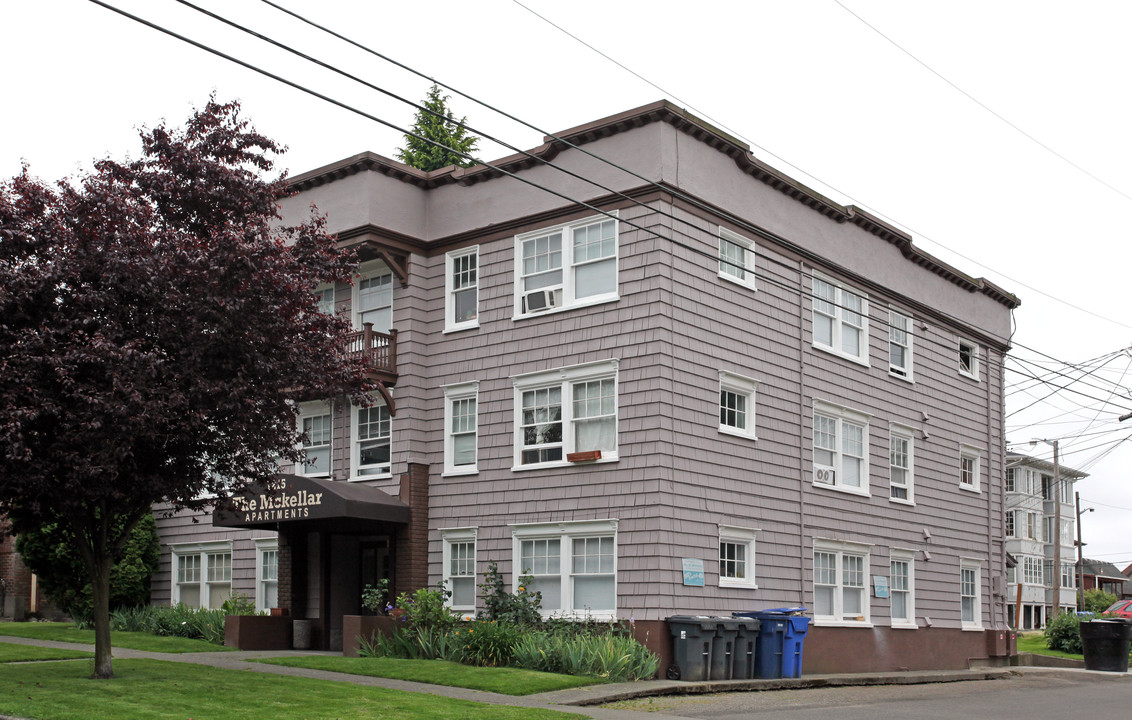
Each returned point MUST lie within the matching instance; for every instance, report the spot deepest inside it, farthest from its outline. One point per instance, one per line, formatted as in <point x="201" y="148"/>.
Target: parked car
<point x="1122" y="609"/>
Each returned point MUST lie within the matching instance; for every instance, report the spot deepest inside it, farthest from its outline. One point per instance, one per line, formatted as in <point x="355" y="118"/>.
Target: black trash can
<point x="693" y="640"/>
<point x="1106" y="644"/>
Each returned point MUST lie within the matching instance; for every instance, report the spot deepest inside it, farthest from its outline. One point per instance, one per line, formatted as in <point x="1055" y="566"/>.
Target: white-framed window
<point x="459" y="560"/>
<point x="737" y="557"/>
<point x="841" y="448"/>
<point x="371" y="432"/>
<point x="901" y="588"/>
<point x="373" y="297"/>
<point x="202" y="574"/>
<point x="970" y="594"/>
<point x="316" y="425"/>
<point x="1068" y="576"/>
<point x="1047" y="528"/>
<point x="968" y="359"/>
<point x="841" y="320"/>
<point x="573" y="565"/>
<point x="899" y="345"/>
<point x="461" y="428"/>
<point x="1009" y="479"/>
<point x="1047" y="487"/>
<point x="461" y="289"/>
<point x="1033" y="522"/>
<point x="566" y="266"/>
<point x="841" y="575"/>
<point x="565" y="411"/>
<point x="1009" y="523"/>
<point x="324" y="296"/>
<point x="970" y="467"/>
<point x="736" y="258"/>
<point x="267" y="574"/>
<point x="901" y="487"/>
<point x="737" y="405"/>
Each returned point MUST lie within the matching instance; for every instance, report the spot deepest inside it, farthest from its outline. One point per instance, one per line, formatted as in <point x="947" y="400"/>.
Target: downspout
<point x="802" y="385"/>
<point x="993" y="450"/>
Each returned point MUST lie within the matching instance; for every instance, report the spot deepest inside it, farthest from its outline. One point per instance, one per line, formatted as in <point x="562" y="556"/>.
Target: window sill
<point x="741" y="283"/>
<point x="740" y="584"/>
<point x="860" y="492"/>
<point x="844" y="356"/>
<point x="969" y="376"/>
<point x="363" y="478"/>
<point x="735" y="432"/>
<point x="458" y="473"/>
<point x="564" y="464"/>
<point x="461" y="328"/>
<point x="899" y="501"/>
<point x="830" y="622"/>
<point x="968" y="488"/>
<point x="972" y="628"/>
<point x="566" y="308"/>
<point x="906" y="378"/>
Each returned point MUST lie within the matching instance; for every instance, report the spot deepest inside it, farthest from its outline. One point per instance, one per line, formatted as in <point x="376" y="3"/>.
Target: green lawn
<point x="1035" y="643"/>
<point x="67" y="632"/>
<point x="505" y="680"/>
<point x="10" y="652"/>
<point x="154" y="689"/>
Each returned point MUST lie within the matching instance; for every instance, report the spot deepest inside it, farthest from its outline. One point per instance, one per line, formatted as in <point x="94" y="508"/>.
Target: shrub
<point x="616" y="658"/>
<point x="488" y="642"/>
<point x="1098" y="601"/>
<point x="523" y="608"/>
<point x="238" y="604"/>
<point x="1064" y="633"/>
<point x="427" y="608"/>
<point x="373" y="597"/>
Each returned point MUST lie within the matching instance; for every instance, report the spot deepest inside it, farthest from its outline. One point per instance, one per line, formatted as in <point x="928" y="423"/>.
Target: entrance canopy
<point x="296" y="499"/>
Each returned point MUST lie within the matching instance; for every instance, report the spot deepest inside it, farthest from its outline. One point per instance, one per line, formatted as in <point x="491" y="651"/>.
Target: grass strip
<point x="67" y="632"/>
<point x="156" y="689"/>
<point x="10" y="652"/>
<point x="504" y="680"/>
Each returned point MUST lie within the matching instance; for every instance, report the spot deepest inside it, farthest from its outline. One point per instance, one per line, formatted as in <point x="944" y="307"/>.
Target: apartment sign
<point x="286" y="504"/>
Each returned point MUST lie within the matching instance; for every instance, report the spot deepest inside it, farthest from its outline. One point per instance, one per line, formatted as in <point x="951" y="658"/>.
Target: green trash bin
<point x="693" y="640"/>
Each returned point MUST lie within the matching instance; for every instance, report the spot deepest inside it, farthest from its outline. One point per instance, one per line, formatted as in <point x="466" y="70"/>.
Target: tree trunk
<point x="100" y="587"/>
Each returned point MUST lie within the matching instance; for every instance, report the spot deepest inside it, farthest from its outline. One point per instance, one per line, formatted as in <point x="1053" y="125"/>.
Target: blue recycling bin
<point x="782" y="634"/>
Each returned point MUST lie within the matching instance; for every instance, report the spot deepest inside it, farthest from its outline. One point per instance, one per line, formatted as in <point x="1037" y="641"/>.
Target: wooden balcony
<point x="379" y="351"/>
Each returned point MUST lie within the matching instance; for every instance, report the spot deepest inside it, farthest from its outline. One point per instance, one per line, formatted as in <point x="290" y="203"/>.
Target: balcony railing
<point x="379" y="350"/>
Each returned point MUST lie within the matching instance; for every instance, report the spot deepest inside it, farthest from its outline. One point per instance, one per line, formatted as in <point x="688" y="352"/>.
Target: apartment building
<point x="696" y="389"/>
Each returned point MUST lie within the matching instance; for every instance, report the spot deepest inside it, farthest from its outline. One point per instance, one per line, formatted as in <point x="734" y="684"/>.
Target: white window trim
<point x="564" y="377"/>
<point x="450" y="325"/>
<point x="749" y="249"/>
<point x="976" y="565"/>
<point x="568" y="300"/>
<point x="263" y="545"/>
<point x="369" y="269"/>
<point x="835" y="348"/>
<point x="746" y="538"/>
<point x="740" y="385"/>
<point x="841" y="548"/>
<point x="970" y="452"/>
<point x="461" y="391"/>
<point x="975" y="358"/>
<point x="842" y="414"/>
<point x="322" y="288"/>
<point x="908" y="556"/>
<point x="309" y="409"/>
<point x="202" y="550"/>
<point x="566" y="532"/>
<point x="907" y="374"/>
<point x="460" y="535"/>
<point x="355" y="451"/>
<point x="907" y="433"/>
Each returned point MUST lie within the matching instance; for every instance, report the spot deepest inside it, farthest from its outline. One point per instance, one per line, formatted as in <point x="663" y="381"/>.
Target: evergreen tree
<point x="440" y="126"/>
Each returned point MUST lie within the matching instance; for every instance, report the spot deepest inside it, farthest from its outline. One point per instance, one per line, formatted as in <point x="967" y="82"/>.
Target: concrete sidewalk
<point x="585" y="700"/>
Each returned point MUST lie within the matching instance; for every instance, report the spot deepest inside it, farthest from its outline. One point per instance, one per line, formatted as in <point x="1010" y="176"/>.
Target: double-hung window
<point x="561" y="414"/>
<point x="841" y="320"/>
<point x="970" y="594"/>
<point x="316" y="427"/>
<point x="202" y="574"/>
<point x="267" y="574"/>
<point x="573" y="565"/>
<point x="841" y="448"/>
<point x="373" y="297"/>
<point x="1009" y="523"/>
<point x="1010" y="480"/>
<point x="900" y="485"/>
<point x="968" y="359"/>
<point x="736" y="258"/>
<point x="737" y="405"/>
<point x="459" y="560"/>
<point x="841" y="572"/>
<point x="324" y="296"/>
<point x="737" y="557"/>
<point x="901" y="588"/>
<point x="461" y="289"/>
<point x="969" y="467"/>
<point x="371" y="432"/>
<point x="899" y="345"/>
<point x="460" y="428"/>
<point x="566" y="266"/>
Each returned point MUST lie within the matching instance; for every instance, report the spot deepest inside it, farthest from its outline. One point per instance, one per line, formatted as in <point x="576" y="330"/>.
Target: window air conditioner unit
<point x="824" y="475"/>
<point x="539" y="300"/>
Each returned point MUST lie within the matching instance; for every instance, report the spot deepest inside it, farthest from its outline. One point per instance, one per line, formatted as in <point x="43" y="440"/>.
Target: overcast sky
<point x="996" y="132"/>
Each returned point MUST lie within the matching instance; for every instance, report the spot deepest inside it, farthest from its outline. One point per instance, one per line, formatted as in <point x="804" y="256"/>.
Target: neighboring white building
<point x="1030" y="530"/>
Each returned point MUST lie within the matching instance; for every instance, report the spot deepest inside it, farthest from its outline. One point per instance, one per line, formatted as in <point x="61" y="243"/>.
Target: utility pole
<point x="1080" y="556"/>
<point x="1056" y="491"/>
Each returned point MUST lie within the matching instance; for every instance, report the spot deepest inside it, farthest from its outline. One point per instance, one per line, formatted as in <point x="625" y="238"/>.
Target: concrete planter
<point x="257" y="632"/>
